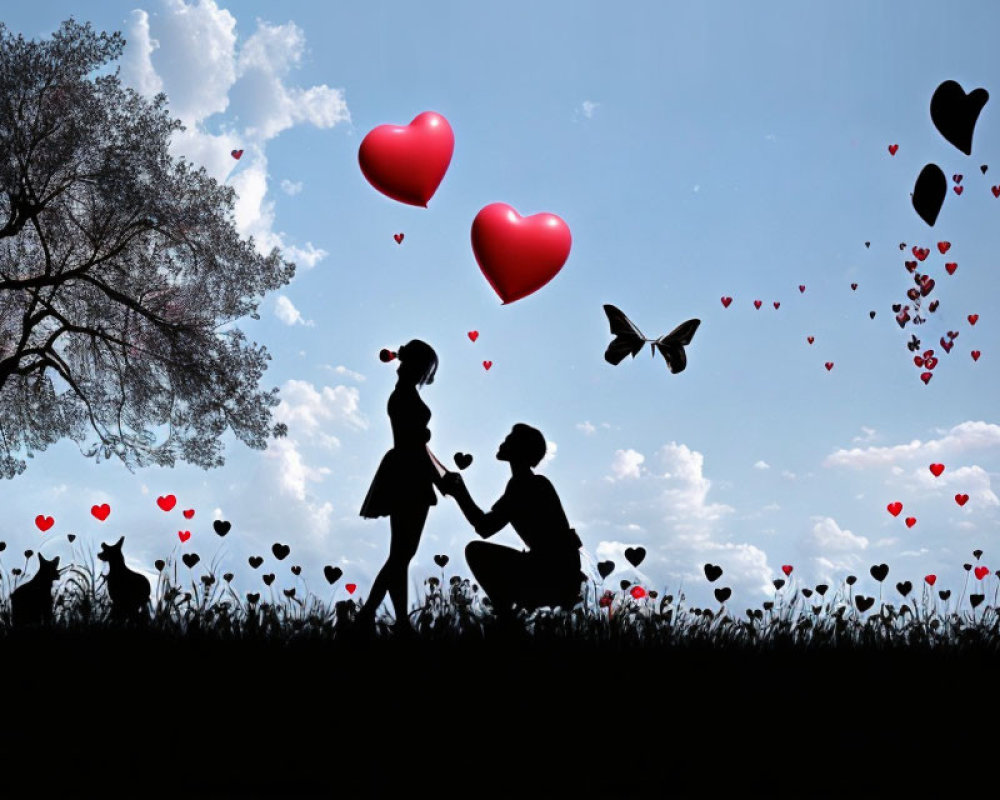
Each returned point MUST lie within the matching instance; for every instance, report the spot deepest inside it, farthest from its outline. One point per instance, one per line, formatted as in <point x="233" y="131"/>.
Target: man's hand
<point x="451" y="484"/>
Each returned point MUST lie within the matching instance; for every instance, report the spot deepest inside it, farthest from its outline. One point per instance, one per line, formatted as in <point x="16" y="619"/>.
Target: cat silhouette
<point x="129" y="591"/>
<point x="31" y="602"/>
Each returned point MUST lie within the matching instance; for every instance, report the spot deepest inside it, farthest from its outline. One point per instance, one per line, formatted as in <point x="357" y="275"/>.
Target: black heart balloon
<point x="255" y="561"/>
<point x="221" y="527"/>
<point x="635" y="555"/>
<point x="879" y="571"/>
<point x="190" y="559"/>
<point x="712" y="572"/>
<point x="929" y="192"/>
<point x="605" y="568"/>
<point x="441" y="561"/>
<point x="332" y="574"/>
<point x="954" y="113"/>
<point x="462" y="460"/>
<point x="280" y="550"/>
<point x="723" y="594"/>
<point x="864" y="603"/>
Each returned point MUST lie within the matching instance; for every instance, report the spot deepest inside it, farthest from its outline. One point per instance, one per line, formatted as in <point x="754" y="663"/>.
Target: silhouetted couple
<point x="548" y="574"/>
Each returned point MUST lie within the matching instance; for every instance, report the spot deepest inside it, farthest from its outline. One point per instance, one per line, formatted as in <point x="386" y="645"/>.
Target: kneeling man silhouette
<point x="548" y="573"/>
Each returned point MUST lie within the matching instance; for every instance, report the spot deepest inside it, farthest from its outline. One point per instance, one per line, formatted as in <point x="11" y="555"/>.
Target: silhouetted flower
<point x="607" y="599"/>
<point x="637" y="592"/>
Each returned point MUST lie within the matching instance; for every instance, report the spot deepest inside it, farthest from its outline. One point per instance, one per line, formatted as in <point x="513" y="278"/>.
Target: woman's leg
<point x="406" y="528"/>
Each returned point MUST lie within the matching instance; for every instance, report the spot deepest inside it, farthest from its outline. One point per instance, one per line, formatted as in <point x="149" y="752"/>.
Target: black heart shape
<point x="441" y="561"/>
<point x="929" y="192"/>
<point x="954" y="113"/>
<point x="976" y="599"/>
<point x="227" y="577"/>
<point x="289" y="592"/>
<point x="976" y="553"/>
<point x="944" y="594"/>
<point x="635" y="555"/>
<point x="280" y="551"/>
<point x="190" y="559"/>
<point x="296" y="570"/>
<point x="159" y="564"/>
<point x="253" y="597"/>
<point x="332" y="574"/>
<point x="879" y="571"/>
<point x="904" y="588"/>
<point x="902" y="245"/>
<point x="896" y="307"/>
<point x="871" y="314"/>
<point x="462" y="460"/>
<point x="722" y="594"/>
<point x="821" y="589"/>
<point x="864" y="603"/>
<point x="778" y="583"/>
<point x="712" y="572"/>
<point x="851" y="580"/>
<point x="605" y="568"/>
<point x="269" y="578"/>
<point x="71" y="537"/>
<point x="256" y="561"/>
<point x="768" y="605"/>
<point x="653" y="594"/>
<point x="3" y="546"/>
<point x="807" y="593"/>
<point x="868" y="244"/>
<point x="221" y="527"/>
<point x="983" y="169"/>
<point x="625" y="584"/>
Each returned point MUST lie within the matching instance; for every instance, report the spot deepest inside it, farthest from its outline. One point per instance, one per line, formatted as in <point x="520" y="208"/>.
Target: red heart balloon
<point x="350" y="587"/>
<point x="961" y="499"/>
<point x="937" y="469"/>
<point x="756" y="304"/>
<point x="166" y="503"/>
<point x="398" y="237"/>
<point x="911" y="521"/>
<point x="473" y="335"/>
<point x="943" y="247"/>
<point x="828" y="365"/>
<point x="408" y="162"/>
<point x="787" y="569"/>
<point x="101" y="511"/>
<point x="975" y="355"/>
<point x="995" y="190"/>
<point x="931" y="362"/>
<point x="777" y="304"/>
<point x="802" y="289"/>
<point x="237" y="154"/>
<point x="918" y="360"/>
<point x="931" y="579"/>
<point x="44" y="523"/>
<point x="982" y="572"/>
<point x="895" y="508"/>
<point x="189" y="513"/>
<point x="892" y="149"/>
<point x="973" y="319"/>
<point x="854" y="287"/>
<point x="950" y="267"/>
<point x="487" y="365"/>
<point x="184" y="535"/>
<point x="926" y="377"/>
<point x="726" y="301"/>
<point x="810" y="339"/>
<point x="910" y="265"/>
<point x="518" y="255"/>
<point x="958" y="189"/>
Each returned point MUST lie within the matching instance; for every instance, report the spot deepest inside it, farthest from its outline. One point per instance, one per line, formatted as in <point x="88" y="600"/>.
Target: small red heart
<point x="913" y="294"/>
<point x="975" y="355"/>
<point x="921" y="252"/>
<point x="398" y="237"/>
<point x="184" y="535"/>
<point x="926" y="285"/>
<point x="931" y="579"/>
<point x="995" y="190"/>
<point x="982" y="572"/>
<point x="911" y="521"/>
<point x="828" y="365"/>
<point x="776" y="304"/>
<point x="973" y="319"/>
<point x="895" y="508"/>
<point x="351" y="587"/>
<point x="236" y="154"/>
<point x="810" y="339"/>
<point x="926" y="377"/>
<point x="189" y="513"/>
<point x="933" y="306"/>
<point x="166" y="503"/>
<point x="637" y="592"/>
<point x="726" y="301"/>
<point x="473" y="335"/>
<point x="961" y="499"/>
<point x="937" y="469"/>
<point x="487" y="364"/>
<point x="854" y="287"/>
<point x="101" y="511"/>
<point x="928" y="353"/>
<point x="802" y="289"/>
<point x="787" y="569"/>
<point x="756" y="304"/>
<point x="952" y="334"/>
<point x="950" y="267"/>
<point x="930" y="363"/>
<point x="957" y="178"/>
<point x="943" y="247"/>
<point x="958" y="189"/>
<point x="946" y="345"/>
<point x="918" y="360"/>
<point x="892" y="149"/>
<point x="910" y="265"/>
<point x="44" y="523"/>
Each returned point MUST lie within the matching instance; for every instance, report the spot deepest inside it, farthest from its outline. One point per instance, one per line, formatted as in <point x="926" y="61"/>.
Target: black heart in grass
<point x="976" y="599"/>
<point x="256" y="561"/>
<point x="296" y="570"/>
<point x="269" y="578"/>
<point x="159" y="564"/>
<point x="879" y="571"/>
<point x="441" y="561"/>
<point x="712" y="572"/>
<point x="71" y="537"/>
<point x="253" y="597"/>
<point x="864" y="603"/>
<point x="332" y="574"/>
<point x="944" y="594"/>
<point x="954" y="113"/>
<point x="462" y="460"/>
<point x="904" y="588"/>
<point x="851" y="580"/>
<point x="222" y="527"/>
<point x="977" y="554"/>
<point x="280" y="551"/>
<point x="778" y="583"/>
<point x="227" y="577"/>
<point x="635" y="555"/>
<point x="625" y="584"/>
<point x="807" y="593"/>
<point x="605" y="568"/>
<point x="768" y="605"/>
<point x="190" y="559"/>
<point x="289" y="592"/>
<point x="722" y="594"/>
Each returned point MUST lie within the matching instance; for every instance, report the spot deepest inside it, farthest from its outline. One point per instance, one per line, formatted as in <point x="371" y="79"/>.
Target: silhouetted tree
<point x="119" y="268"/>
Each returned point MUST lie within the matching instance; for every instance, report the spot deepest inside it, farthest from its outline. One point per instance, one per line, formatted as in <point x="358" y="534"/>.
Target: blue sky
<point x="695" y="151"/>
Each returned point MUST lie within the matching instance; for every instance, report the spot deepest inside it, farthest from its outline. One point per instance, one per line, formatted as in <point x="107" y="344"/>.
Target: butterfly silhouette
<point x="629" y="340"/>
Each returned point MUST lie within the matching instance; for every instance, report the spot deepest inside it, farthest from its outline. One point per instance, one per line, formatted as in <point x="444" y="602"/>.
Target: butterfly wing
<point x="628" y="338"/>
<point x="672" y="345"/>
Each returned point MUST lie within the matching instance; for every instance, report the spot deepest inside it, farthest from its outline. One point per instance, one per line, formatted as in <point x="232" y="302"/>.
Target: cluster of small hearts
<point x="517" y="255"/>
<point x="896" y="508"/>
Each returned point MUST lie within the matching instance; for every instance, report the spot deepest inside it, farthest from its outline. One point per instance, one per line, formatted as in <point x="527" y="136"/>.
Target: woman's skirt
<point x="404" y="480"/>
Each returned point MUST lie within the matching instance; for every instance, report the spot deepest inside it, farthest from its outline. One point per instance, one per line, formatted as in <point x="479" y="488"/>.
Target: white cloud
<point x="788" y="475"/>
<point x="626" y="464"/>
<point x="586" y="427"/>
<point x="292" y="472"/>
<point x="136" y="58"/>
<point x="761" y="465"/>
<point x="688" y="488"/>
<point x="550" y="454"/>
<point x="347" y="373"/>
<point x="305" y="409"/>
<point x="288" y="313"/>
<point x="828" y="535"/>
<point x="972" y="480"/>
<point x="869" y="434"/>
<point x="291" y="188"/>
<point x="589" y="107"/>
<point x="961" y="438"/>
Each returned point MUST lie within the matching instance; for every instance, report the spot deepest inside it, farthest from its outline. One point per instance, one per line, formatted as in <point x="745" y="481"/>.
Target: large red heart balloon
<point x="518" y="255"/>
<point x="408" y="162"/>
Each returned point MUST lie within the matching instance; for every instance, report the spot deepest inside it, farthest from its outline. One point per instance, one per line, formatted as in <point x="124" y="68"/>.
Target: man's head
<point x="523" y="445"/>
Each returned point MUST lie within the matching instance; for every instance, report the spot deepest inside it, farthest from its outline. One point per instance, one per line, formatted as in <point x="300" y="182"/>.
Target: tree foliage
<point x="119" y="268"/>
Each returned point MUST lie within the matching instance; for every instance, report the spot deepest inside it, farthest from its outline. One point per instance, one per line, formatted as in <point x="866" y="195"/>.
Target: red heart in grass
<point x="973" y="319"/>
<point x="189" y="513"/>
<point x="787" y="569"/>
<point x="926" y="377"/>
<point x="828" y="365"/>
<point x="810" y="339"/>
<point x="961" y="499"/>
<point x="950" y="267"/>
<point x="350" y="587"/>
<point x="931" y="362"/>
<point x="726" y="301"/>
<point x="44" y="523"/>
<point x="166" y="503"/>
<point x="487" y="364"/>
<point x="518" y="255"/>
<point x="982" y="572"/>
<point x="958" y="189"/>
<point x="802" y="289"/>
<point x="756" y="304"/>
<point x="183" y="535"/>
<point x="398" y="237"/>
<point x="995" y="190"/>
<point x="892" y="149"/>
<point x="911" y="521"/>
<point x="944" y="247"/>
<point x="236" y="154"/>
<point x="921" y="252"/>
<point x="473" y="335"/>
<point x="931" y="579"/>
<point x="408" y="162"/>
<point x="937" y="469"/>
<point x="975" y="355"/>
<point x="854" y="287"/>
<point x="895" y="508"/>
<point x="910" y="265"/>
<point x="101" y="511"/>
<point x="918" y="360"/>
<point x="637" y="592"/>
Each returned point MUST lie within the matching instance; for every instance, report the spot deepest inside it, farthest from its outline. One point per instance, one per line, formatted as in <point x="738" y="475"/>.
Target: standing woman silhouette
<point x="402" y="488"/>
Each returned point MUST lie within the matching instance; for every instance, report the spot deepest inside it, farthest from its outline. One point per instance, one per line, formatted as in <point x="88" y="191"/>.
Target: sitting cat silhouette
<point x="31" y="602"/>
<point x="129" y="591"/>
